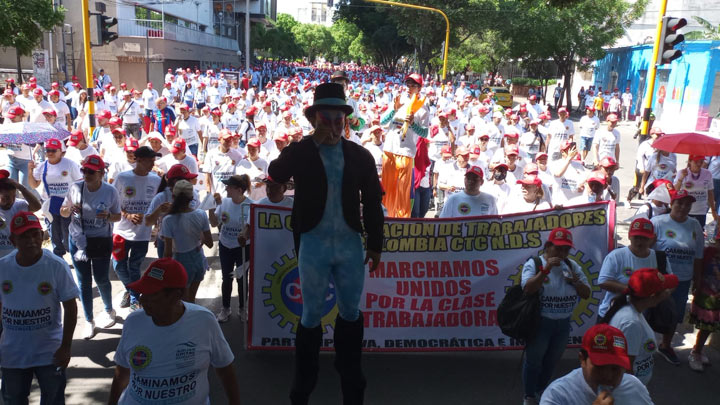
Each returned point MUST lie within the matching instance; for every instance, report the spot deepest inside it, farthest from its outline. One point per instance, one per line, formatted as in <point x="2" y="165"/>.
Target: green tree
<point x="358" y="51"/>
<point x="24" y="23"/>
<point x="709" y="30"/>
<point x="315" y="40"/>
<point x="343" y="33"/>
<point x="572" y="35"/>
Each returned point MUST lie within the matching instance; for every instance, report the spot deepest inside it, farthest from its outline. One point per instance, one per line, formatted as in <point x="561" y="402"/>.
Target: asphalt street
<point x="492" y="377"/>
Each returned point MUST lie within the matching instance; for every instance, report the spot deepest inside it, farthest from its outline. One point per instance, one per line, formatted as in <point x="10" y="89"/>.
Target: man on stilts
<point x="333" y="176"/>
<point x="408" y="121"/>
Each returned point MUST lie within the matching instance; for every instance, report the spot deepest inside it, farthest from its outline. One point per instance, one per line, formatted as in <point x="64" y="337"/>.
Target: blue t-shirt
<point x="683" y="242"/>
<point x="557" y="297"/>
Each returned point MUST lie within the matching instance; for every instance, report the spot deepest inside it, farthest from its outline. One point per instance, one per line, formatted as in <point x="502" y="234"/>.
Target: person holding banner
<point x="331" y="174"/>
<point x="560" y="282"/>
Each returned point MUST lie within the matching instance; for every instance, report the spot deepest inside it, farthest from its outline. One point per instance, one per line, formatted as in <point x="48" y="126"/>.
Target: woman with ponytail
<point x="646" y="288"/>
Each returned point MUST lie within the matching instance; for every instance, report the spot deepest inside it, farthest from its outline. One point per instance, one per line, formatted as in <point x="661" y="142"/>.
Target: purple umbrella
<point x="31" y="132"/>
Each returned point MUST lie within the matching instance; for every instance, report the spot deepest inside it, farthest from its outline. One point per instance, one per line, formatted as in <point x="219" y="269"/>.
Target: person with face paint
<point x="400" y="148"/>
<point x="330" y="174"/>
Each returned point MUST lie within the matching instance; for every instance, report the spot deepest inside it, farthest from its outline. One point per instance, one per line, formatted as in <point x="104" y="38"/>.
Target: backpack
<point x="663" y="317"/>
<point x="519" y="313"/>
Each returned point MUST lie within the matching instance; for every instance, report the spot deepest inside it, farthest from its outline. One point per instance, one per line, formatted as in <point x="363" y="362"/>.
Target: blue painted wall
<point x="683" y="89"/>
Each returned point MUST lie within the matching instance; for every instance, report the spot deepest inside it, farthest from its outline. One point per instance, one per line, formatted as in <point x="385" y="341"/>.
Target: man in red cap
<point x="603" y="377"/>
<point x="149" y="96"/>
<point x="37" y="106"/>
<point x="569" y="175"/>
<point x="470" y="201"/>
<point x="188" y="129"/>
<point x="220" y="163"/>
<point x="175" y="365"/>
<point x="408" y="122"/>
<point x="587" y="127"/>
<point x="131" y="113"/>
<point x="37" y="334"/>
<point x="178" y="155"/>
<point x="256" y="169"/>
<point x="61" y="109"/>
<point x="607" y="140"/>
<point x="626" y="99"/>
<point x="559" y="131"/>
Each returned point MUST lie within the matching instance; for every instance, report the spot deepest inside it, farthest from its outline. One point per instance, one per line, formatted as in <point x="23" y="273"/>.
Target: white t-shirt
<point x="169" y="364"/>
<point x="660" y="166"/>
<point x="588" y="126"/>
<point x="529" y="143"/>
<point x="463" y="204"/>
<point x="500" y="192"/>
<point x="233" y="218"/>
<point x="572" y="389"/>
<point x="188" y="130"/>
<point x="105" y="198"/>
<point x="58" y="178"/>
<point x="682" y="242"/>
<point x="285" y="202"/>
<point x="136" y="193"/>
<point x="221" y="166"/>
<point x="62" y="111"/>
<point x="166" y="196"/>
<point x="566" y="186"/>
<point x="231" y="121"/>
<point x="644" y="151"/>
<point x="606" y="141"/>
<point x="119" y="166"/>
<point x="640" y="340"/>
<point x="31" y="311"/>
<point x="76" y="155"/>
<point x="185" y="229"/>
<point x="516" y="205"/>
<point x="5" y="217"/>
<point x="618" y="265"/>
<point x="168" y="161"/>
<point x="256" y="170"/>
<point x="377" y="153"/>
<point x="557" y="297"/>
<point x="452" y="175"/>
<point x="698" y="188"/>
<point x="559" y="133"/>
<point x="132" y="111"/>
<point x="19" y="151"/>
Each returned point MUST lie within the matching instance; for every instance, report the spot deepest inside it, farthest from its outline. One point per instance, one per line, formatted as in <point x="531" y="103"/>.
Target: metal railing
<point x="163" y="30"/>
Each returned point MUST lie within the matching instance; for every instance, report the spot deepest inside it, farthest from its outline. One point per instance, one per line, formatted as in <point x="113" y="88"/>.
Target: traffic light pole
<point x="89" y="84"/>
<point x="652" y="72"/>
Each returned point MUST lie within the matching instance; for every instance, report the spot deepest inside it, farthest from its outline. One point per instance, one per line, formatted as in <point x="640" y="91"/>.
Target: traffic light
<point x="670" y="37"/>
<point x="104" y="35"/>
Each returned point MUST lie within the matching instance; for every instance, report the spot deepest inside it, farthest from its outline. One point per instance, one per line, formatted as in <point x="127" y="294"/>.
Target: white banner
<point x="438" y="285"/>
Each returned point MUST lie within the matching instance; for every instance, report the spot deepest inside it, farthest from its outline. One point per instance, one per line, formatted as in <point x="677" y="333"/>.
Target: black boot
<point x="348" y="350"/>
<point x="307" y="357"/>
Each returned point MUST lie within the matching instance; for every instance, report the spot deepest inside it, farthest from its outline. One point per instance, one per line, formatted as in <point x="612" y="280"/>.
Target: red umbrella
<point x="689" y="143"/>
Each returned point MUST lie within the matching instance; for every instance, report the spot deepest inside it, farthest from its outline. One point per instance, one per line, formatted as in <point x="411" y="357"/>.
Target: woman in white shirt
<point x="532" y="197"/>
<point x="699" y="183"/>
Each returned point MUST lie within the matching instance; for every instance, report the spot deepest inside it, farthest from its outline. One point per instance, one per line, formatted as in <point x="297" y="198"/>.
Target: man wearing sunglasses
<point x="56" y="175"/>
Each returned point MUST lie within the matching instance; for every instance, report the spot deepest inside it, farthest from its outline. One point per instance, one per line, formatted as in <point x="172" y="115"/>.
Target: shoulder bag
<point x="519" y="313"/>
<point x="663" y="317"/>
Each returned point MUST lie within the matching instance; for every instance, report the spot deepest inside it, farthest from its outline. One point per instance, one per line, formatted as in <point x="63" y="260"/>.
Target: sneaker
<point x="529" y="401"/>
<point x="107" y="319"/>
<point x="669" y="354"/>
<point x="243" y="315"/>
<point x="135" y="306"/>
<point x="89" y="331"/>
<point x="125" y="301"/>
<point x="223" y="315"/>
<point x="695" y="361"/>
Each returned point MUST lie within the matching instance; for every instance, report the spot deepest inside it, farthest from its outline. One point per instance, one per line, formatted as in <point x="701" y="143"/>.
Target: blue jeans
<point x="422" y="202"/>
<point x="542" y="354"/>
<point x="128" y="269"/>
<point x="18" y="169"/>
<point x="59" y="234"/>
<point x="193" y="149"/>
<point x="716" y="193"/>
<point x="86" y="271"/>
<point x="16" y="383"/>
<point x="160" y="246"/>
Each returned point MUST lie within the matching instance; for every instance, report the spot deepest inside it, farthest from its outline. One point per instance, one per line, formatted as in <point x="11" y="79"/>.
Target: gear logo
<point x="669" y="233"/>
<point x="463" y="208"/>
<point x="224" y="218"/>
<point x="7" y="286"/>
<point x="627" y="271"/>
<point x="284" y="298"/>
<point x="140" y="357"/>
<point x="44" y="288"/>
<point x="650" y="346"/>
<point x="129" y="191"/>
<point x="582" y="312"/>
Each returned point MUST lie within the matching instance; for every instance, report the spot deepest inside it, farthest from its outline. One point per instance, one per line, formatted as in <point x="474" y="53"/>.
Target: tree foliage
<point x="25" y="21"/>
<point x="709" y="30"/>
<point x="315" y="40"/>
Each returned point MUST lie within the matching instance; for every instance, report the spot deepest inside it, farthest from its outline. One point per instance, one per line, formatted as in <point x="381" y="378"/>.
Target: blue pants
<point x="73" y="113"/>
<point x="128" y="269"/>
<point x="59" y="234"/>
<point x="16" y="383"/>
<point x="86" y="271"/>
<point x="193" y="149"/>
<point x="542" y="354"/>
<point x="340" y="255"/>
<point x="18" y="169"/>
<point x="716" y="193"/>
<point x="160" y="246"/>
<point x="422" y="202"/>
<point x="680" y="295"/>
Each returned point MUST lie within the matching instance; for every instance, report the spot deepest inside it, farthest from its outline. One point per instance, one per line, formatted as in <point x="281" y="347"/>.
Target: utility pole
<point x="247" y="36"/>
<point x="89" y="85"/>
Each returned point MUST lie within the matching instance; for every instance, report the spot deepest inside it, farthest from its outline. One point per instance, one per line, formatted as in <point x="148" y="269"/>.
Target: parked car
<point x="502" y="96"/>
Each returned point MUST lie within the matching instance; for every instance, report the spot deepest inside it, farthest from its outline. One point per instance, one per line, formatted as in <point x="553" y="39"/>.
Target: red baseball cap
<point x="446" y="150"/>
<point x="462" y="151"/>
<point x="475" y="150"/>
<point x="646" y="282"/>
<point x="642" y="227"/>
<point x="120" y="131"/>
<point x="608" y="162"/>
<point x="23" y="221"/>
<point x="38" y="92"/>
<point x="512" y="133"/>
<point x="53" y="144"/>
<point x="115" y="121"/>
<point x="598" y="177"/>
<point x="477" y="170"/>
<point x="606" y="345"/>
<point x="530" y="168"/>
<point x="532" y="98"/>
<point x="281" y="137"/>
<point x="414" y="77"/>
<point x="590" y="108"/>
<point x="254" y="142"/>
<point x="566" y="145"/>
<point x="562" y="110"/>
<point x="75" y="137"/>
<point x="4" y="174"/>
<point x="93" y="162"/>
<point x="178" y="145"/>
<point x="680" y="194"/>
<point x="14" y="112"/>
<point x="696" y="157"/>
<point x="131" y="144"/>
<point x="251" y="111"/>
<point x="162" y="273"/>
<point x="105" y="114"/>
<point x="499" y="165"/>
<point x="225" y="133"/>
<point x="530" y="180"/>
<point x="541" y="156"/>
<point x="50" y="111"/>
<point x="179" y="171"/>
<point x="53" y="93"/>
<point x="184" y="106"/>
<point x="264" y="125"/>
<point x="560" y="237"/>
<point x="511" y="150"/>
<point x="612" y="117"/>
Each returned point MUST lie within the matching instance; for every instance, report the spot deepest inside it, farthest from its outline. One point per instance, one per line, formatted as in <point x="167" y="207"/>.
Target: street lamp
<point x="447" y="29"/>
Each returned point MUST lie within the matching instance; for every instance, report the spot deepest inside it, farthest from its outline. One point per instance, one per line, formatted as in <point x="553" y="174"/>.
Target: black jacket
<point x="302" y="162"/>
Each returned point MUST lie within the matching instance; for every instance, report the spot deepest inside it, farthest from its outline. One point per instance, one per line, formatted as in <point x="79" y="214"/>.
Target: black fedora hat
<point x="330" y="96"/>
<point x="339" y="75"/>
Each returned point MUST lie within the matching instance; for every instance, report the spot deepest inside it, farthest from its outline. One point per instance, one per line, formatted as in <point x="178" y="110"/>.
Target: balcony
<point x="154" y="29"/>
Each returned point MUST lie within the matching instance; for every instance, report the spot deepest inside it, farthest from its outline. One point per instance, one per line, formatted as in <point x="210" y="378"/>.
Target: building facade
<point x="309" y="11"/>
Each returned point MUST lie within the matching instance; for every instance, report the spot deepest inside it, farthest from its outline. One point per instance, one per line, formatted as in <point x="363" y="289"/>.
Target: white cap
<point x="183" y="187"/>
